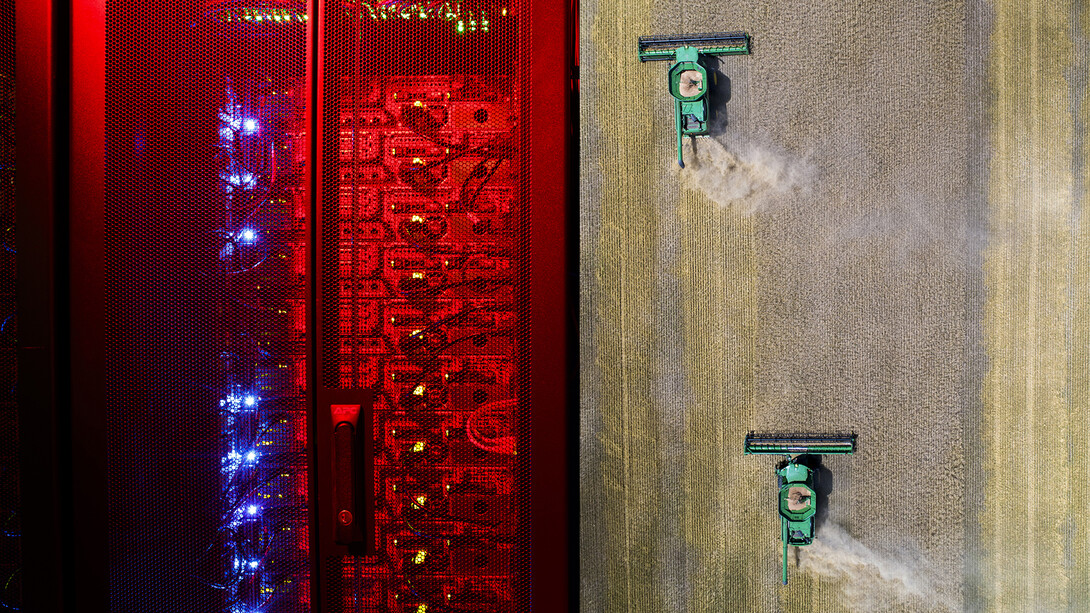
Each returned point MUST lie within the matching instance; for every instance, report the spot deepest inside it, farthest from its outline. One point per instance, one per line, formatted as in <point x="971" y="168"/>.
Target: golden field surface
<point x="884" y="234"/>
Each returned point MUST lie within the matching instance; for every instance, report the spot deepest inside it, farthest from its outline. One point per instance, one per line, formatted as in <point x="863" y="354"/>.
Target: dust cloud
<point x="745" y="178"/>
<point x="872" y="581"/>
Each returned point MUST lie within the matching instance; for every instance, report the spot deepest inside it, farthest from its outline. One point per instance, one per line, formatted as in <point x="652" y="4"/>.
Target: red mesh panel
<point x="206" y="300"/>
<point x="10" y="531"/>
<point x="421" y="269"/>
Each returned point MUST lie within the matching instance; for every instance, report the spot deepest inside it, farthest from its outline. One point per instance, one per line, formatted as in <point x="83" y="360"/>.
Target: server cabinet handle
<point x="347" y="454"/>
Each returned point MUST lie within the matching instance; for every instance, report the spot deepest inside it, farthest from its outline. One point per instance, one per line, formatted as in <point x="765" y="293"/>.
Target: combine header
<point x="798" y="504"/>
<point x="687" y="78"/>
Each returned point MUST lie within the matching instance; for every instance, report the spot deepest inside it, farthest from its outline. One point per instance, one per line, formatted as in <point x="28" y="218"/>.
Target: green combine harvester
<point x="687" y="77"/>
<point x="798" y="502"/>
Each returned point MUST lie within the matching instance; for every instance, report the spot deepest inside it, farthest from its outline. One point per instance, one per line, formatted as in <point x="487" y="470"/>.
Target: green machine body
<point x="687" y="78"/>
<point x="796" y="496"/>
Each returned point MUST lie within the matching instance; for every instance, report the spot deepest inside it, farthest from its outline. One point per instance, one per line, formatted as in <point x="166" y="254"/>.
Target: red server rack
<point x="310" y="317"/>
<point x="420" y="285"/>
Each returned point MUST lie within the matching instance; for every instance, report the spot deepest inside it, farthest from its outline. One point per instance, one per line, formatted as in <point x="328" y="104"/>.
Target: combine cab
<point x="797" y="504"/>
<point x="798" y="501"/>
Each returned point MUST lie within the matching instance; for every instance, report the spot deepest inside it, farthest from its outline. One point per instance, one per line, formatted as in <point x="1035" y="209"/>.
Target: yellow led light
<point x="419" y="391"/>
<point x="417" y="218"/>
<point x="420" y="500"/>
<point x="420" y="556"/>
<point x="418" y="103"/>
<point x="422" y="608"/>
<point x="418" y="275"/>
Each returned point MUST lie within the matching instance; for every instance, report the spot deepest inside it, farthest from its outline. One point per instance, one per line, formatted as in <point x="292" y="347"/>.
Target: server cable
<point x="249" y="535"/>
<point x="8" y="586"/>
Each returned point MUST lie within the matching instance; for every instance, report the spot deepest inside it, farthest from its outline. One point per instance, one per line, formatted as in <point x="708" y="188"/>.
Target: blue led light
<point x="251" y="456"/>
<point x="250" y="400"/>
<point x="253" y="564"/>
<point x="240" y="180"/>
<point x="252" y="509"/>
<point x="249" y="126"/>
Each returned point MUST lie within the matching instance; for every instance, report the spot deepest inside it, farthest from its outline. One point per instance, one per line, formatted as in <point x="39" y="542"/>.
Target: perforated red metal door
<point x="206" y="213"/>
<point x="421" y="301"/>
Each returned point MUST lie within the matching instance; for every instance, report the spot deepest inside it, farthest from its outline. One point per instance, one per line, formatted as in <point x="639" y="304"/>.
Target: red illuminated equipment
<point x="300" y="332"/>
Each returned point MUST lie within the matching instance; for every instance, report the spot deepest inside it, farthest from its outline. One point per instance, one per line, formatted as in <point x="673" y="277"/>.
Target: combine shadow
<point x="718" y="92"/>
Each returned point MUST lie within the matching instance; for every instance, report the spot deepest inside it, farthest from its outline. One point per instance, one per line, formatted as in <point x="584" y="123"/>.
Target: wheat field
<point x="884" y="234"/>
